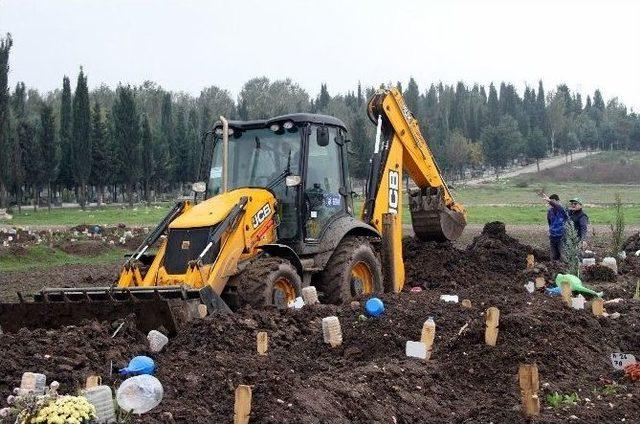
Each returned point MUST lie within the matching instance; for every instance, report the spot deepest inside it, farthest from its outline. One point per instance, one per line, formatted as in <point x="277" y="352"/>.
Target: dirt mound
<point x="598" y="272"/>
<point x="83" y="247"/>
<point x="632" y="244"/>
<point x="368" y="378"/>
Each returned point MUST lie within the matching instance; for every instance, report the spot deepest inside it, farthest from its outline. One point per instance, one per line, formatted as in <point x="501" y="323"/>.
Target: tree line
<point x="136" y="143"/>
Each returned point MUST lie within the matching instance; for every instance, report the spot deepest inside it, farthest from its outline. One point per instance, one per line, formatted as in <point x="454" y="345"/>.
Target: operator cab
<point x="300" y="158"/>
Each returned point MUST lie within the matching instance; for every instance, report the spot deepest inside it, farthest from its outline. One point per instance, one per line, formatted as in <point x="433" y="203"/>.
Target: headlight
<point x="218" y="131"/>
<point x="274" y="127"/>
<point x="288" y="125"/>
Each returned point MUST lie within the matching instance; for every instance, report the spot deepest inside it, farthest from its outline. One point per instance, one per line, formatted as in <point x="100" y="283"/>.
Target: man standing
<point x="556" y="218"/>
<point x="580" y="220"/>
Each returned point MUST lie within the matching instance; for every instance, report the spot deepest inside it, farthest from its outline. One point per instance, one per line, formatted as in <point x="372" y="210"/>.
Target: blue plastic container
<point x="374" y="307"/>
<point x="139" y="365"/>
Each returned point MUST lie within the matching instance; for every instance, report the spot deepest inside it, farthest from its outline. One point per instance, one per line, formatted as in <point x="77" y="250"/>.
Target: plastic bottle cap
<point x="374" y="307"/>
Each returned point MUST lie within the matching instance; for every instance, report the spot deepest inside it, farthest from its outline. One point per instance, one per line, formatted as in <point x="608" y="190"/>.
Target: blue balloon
<point x="139" y="365"/>
<point x="374" y="307"/>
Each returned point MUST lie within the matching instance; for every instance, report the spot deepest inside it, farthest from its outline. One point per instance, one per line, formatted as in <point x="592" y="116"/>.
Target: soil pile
<point x="368" y="378"/>
<point x="632" y="244"/>
<point x="598" y="272"/>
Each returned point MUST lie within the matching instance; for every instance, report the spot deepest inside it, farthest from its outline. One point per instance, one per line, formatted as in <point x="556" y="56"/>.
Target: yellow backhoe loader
<point x="274" y="214"/>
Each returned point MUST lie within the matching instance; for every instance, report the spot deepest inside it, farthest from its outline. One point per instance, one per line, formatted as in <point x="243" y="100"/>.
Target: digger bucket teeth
<point x="153" y="307"/>
<point x="433" y="220"/>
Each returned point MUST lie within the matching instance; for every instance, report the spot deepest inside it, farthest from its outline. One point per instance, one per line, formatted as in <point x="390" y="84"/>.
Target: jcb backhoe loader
<point x="277" y="214"/>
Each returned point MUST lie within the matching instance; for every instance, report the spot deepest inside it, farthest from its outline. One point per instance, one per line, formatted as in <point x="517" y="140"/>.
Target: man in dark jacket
<point x="580" y="220"/>
<point x="556" y="218"/>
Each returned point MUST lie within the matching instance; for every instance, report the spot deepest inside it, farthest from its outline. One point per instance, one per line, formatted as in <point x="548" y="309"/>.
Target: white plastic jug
<point x="449" y="298"/>
<point x="102" y="398"/>
<point x="331" y="331"/>
<point x="139" y="394"/>
<point x="416" y="349"/>
<point x="610" y="262"/>
<point x="157" y="340"/>
<point x="310" y="295"/>
<point x="577" y="302"/>
<point x="32" y="382"/>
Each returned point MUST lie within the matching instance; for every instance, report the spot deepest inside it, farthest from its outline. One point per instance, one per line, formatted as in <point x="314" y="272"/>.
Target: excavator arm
<point x="399" y="147"/>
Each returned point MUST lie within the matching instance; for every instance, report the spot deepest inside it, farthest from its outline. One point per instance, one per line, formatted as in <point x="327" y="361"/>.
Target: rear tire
<point x="352" y="270"/>
<point x="268" y="281"/>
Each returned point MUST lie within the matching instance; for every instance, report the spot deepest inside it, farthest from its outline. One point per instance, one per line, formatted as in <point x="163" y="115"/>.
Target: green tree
<point x="81" y="138"/>
<point x="65" y="176"/>
<point x="501" y="143"/>
<point x="536" y="145"/>
<point x="147" y="156"/>
<point x="50" y="149"/>
<point x="323" y="99"/>
<point x="194" y="149"/>
<point x="493" y="108"/>
<point x="181" y="160"/>
<point x="412" y="96"/>
<point x="5" y="133"/>
<point x="101" y="161"/>
<point x="165" y="151"/>
<point x="127" y="155"/>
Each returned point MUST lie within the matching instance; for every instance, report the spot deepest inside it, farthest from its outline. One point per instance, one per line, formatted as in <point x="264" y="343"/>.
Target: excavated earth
<point x="368" y="379"/>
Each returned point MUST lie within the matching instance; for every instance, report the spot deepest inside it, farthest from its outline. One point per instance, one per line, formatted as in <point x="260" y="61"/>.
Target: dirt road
<point x="544" y="164"/>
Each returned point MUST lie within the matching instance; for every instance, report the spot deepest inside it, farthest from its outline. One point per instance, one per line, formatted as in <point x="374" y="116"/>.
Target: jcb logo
<point x="261" y="215"/>
<point x="394" y="188"/>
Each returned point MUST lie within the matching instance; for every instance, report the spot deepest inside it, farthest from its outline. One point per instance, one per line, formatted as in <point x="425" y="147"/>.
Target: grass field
<point x="39" y="256"/>
<point x="513" y="201"/>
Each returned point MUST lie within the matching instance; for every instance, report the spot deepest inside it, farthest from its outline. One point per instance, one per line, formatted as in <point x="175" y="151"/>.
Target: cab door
<point x="324" y="181"/>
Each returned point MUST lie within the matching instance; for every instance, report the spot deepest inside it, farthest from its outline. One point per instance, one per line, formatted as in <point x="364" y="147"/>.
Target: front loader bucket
<point x="153" y="307"/>
<point x="433" y="220"/>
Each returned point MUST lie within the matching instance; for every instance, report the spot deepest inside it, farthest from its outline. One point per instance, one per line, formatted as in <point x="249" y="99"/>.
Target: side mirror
<point x="199" y="187"/>
<point x="292" y="180"/>
<point x="322" y="136"/>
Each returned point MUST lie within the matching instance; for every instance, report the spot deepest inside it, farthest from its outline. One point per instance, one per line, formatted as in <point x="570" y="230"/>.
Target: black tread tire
<point x="255" y="282"/>
<point x="335" y="280"/>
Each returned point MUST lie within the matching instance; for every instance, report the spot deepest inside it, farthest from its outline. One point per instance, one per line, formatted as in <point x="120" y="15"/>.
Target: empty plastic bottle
<point x="139" y="394"/>
<point x="102" y="398"/>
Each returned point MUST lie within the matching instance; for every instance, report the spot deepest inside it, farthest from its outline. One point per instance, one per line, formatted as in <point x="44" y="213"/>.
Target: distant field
<point x="514" y="201"/>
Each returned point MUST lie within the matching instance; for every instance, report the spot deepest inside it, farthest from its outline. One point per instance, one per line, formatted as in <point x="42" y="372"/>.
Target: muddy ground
<point x="369" y="378"/>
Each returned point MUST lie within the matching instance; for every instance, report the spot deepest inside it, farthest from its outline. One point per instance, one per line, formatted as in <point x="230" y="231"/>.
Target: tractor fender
<point x="338" y="230"/>
<point x="283" y="251"/>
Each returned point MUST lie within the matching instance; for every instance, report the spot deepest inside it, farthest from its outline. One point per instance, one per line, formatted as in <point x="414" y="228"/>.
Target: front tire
<point x="353" y="269"/>
<point x="269" y="281"/>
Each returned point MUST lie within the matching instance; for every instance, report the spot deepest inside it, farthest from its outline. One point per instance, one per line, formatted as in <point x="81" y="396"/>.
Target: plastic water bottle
<point x="157" y="340"/>
<point x="139" y="394"/>
<point x="102" y="398"/>
<point x="428" y="334"/>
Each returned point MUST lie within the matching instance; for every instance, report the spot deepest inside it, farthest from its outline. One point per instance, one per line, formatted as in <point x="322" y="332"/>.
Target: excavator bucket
<point x="432" y="219"/>
<point x="151" y="307"/>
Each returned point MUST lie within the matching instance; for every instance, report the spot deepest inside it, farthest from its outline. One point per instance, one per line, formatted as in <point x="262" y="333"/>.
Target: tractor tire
<point x="353" y="269"/>
<point x="268" y="281"/>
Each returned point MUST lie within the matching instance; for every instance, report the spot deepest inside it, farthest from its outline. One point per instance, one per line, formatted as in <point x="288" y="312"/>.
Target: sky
<point x="189" y="44"/>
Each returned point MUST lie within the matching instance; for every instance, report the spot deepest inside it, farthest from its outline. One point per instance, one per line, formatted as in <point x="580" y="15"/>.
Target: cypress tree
<point x="65" y="176"/>
<point x="127" y="155"/>
<point x="493" y="108"/>
<point x="5" y="135"/>
<point x="50" y="148"/>
<point x="31" y="157"/>
<point x="195" y="149"/>
<point x="147" y="156"/>
<point x="412" y="96"/>
<point x="81" y="138"/>
<point x="323" y="99"/>
<point x="181" y="160"/>
<point x="100" y="166"/>
<point x="166" y="150"/>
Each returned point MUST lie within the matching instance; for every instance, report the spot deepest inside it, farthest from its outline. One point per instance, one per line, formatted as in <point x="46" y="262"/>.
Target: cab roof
<point x="312" y="118"/>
